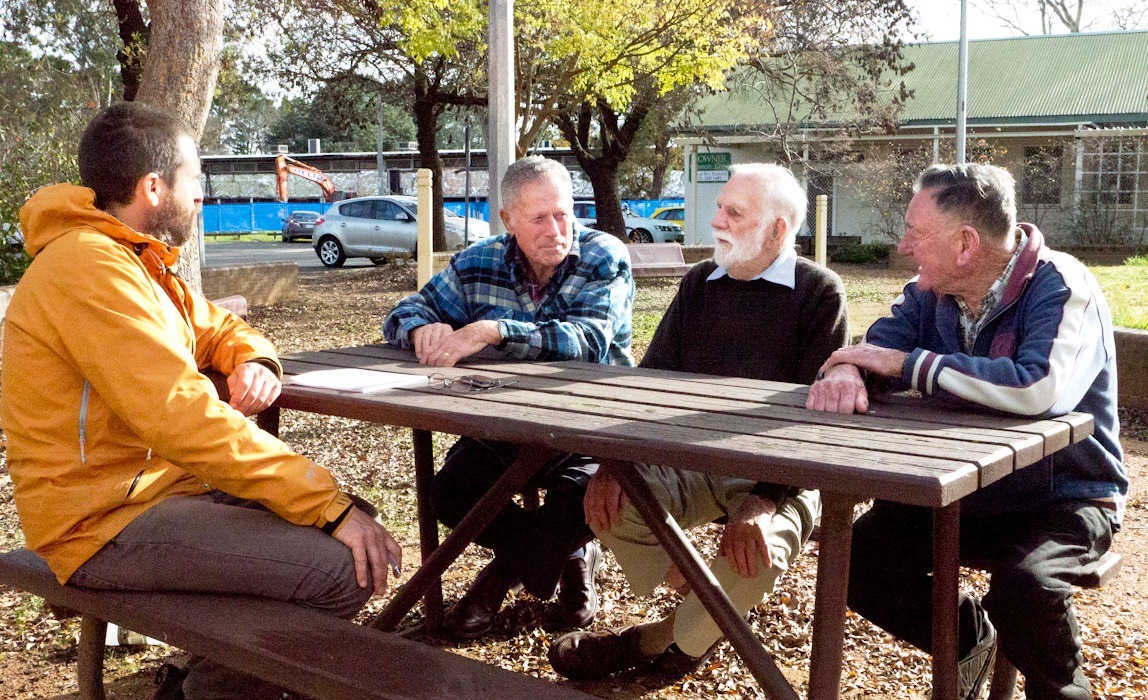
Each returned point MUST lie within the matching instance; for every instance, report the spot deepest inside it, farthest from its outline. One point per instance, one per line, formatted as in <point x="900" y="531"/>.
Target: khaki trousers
<point x="694" y="499"/>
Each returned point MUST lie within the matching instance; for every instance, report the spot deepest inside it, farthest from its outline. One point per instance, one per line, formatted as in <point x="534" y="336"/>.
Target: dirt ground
<point x="38" y="652"/>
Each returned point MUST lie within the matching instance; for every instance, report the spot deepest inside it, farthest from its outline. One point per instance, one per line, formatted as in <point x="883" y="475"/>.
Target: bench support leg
<point x="827" y="655"/>
<point x="946" y="572"/>
<point x="428" y="526"/>
<point x="90" y="662"/>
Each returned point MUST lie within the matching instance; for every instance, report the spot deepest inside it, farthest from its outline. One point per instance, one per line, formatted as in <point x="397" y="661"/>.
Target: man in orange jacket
<point x="129" y="472"/>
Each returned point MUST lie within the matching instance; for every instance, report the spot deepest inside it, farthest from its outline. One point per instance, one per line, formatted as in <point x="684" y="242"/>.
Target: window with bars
<point x="1116" y="172"/>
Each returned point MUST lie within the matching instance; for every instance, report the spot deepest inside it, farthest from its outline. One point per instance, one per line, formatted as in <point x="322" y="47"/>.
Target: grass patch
<point x="1126" y="289"/>
<point x="870" y="292"/>
<point x="1137" y="261"/>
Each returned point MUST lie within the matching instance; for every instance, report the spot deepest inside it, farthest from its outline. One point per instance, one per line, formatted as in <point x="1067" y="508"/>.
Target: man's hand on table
<point x="439" y="345"/>
<point x="253" y="387"/>
<point x="744" y="538"/>
<point x="840" y="387"/>
<point x="872" y="358"/>
<point x="372" y="547"/>
<point x="604" y="500"/>
<point x="839" y="390"/>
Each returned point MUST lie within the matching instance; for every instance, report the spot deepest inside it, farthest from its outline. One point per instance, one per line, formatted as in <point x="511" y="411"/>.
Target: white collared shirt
<point x="783" y="271"/>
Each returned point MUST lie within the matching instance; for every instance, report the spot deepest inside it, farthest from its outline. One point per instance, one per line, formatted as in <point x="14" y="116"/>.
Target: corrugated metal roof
<point x="1100" y="78"/>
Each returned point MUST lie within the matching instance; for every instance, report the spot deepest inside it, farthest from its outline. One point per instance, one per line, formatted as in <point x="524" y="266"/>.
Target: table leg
<point x="832" y="593"/>
<point x="703" y="583"/>
<point x="428" y="526"/>
<point x="946" y="571"/>
<point x="529" y="461"/>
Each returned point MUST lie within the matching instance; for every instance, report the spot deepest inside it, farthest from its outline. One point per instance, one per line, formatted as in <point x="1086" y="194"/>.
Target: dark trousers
<point x="217" y="543"/>
<point x="536" y="544"/>
<point x="1034" y="558"/>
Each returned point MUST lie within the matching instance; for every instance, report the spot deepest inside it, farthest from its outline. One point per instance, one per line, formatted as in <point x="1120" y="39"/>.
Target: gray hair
<point x="781" y="195"/>
<point x="531" y="169"/>
<point x="983" y="195"/>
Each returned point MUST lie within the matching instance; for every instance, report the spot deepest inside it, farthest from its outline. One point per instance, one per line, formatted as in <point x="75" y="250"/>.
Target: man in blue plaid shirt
<point x="543" y="291"/>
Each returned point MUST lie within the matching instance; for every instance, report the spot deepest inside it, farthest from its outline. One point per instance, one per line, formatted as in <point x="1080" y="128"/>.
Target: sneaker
<point x="974" y="671"/>
<point x="586" y="656"/>
<point x="169" y="682"/>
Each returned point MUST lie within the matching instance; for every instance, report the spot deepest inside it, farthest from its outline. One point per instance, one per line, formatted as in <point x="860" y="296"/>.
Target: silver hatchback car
<point x="376" y="227"/>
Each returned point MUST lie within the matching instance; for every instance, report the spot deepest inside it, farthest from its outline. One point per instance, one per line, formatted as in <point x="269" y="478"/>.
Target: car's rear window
<point x="306" y="216"/>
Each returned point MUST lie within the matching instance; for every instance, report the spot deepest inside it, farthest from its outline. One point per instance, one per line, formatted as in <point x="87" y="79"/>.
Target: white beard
<point x="731" y="252"/>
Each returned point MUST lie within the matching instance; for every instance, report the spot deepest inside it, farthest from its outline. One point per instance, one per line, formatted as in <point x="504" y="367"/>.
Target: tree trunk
<point x="604" y="179"/>
<point x="614" y="139"/>
<point x="426" y="111"/>
<point x="179" y="76"/>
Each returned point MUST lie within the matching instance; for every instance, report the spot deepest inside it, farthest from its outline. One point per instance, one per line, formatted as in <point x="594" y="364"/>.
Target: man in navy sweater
<point x="994" y="320"/>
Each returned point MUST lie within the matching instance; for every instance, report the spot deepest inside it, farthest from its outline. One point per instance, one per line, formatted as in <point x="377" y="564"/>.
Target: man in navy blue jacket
<point x="994" y="320"/>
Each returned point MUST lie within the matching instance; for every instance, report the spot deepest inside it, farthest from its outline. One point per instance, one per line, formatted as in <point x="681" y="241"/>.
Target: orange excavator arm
<point x="285" y="166"/>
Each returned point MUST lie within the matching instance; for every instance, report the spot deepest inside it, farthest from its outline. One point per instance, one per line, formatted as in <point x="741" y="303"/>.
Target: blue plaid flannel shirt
<point x="584" y="313"/>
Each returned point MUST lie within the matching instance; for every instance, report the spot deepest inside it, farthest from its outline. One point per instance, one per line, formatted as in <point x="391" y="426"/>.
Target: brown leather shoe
<point x="577" y="599"/>
<point x="585" y="656"/>
<point x="473" y="615"/>
<point x="673" y="663"/>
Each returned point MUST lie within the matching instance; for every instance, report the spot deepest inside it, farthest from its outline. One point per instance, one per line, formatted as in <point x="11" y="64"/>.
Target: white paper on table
<point x="355" y="380"/>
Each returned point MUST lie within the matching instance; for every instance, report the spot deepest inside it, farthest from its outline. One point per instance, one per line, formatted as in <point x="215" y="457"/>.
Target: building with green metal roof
<point x="1066" y="114"/>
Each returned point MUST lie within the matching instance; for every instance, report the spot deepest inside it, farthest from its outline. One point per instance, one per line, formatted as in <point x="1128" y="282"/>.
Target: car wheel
<point x="331" y="252"/>
<point x="379" y="261"/>
<point x="286" y="238"/>
<point x="641" y="235"/>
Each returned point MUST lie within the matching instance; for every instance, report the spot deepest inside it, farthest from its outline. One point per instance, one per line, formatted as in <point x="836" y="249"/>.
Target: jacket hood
<point x="59" y="209"/>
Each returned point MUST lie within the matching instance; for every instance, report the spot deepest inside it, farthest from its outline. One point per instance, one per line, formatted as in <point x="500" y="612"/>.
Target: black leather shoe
<point x="473" y="615"/>
<point x="673" y="663"/>
<point x="586" y="656"/>
<point x="169" y="682"/>
<point x="577" y="599"/>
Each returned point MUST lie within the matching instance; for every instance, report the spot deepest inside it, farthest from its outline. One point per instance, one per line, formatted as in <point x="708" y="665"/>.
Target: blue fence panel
<point x="253" y="216"/>
<point x="646" y="207"/>
<point x="479" y="209"/>
<point x="269" y="216"/>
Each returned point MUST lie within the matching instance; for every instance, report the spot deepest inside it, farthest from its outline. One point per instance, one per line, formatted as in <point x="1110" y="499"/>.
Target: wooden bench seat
<point x="294" y="647"/>
<point x="657" y="260"/>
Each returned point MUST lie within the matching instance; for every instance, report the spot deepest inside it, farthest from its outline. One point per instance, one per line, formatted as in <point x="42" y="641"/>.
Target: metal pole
<point x="466" y="186"/>
<point x="500" y="131"/>
<point x="380" y="164"/>
<point x="962" y="81"/>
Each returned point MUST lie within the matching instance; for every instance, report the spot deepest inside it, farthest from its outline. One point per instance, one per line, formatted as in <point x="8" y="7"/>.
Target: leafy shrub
<point x="861" y="254"/>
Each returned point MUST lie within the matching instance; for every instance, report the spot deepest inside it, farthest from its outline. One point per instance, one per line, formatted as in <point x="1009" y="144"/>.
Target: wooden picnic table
<point x="904" y="450"/>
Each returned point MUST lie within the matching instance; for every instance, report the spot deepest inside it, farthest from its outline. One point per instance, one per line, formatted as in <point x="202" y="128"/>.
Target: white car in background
<point x="639" y="229"/>
<point x="378" y="227"/>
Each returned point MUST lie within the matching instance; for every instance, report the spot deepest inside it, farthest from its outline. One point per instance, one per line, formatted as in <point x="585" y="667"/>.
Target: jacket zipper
<point x="84" y="420"/>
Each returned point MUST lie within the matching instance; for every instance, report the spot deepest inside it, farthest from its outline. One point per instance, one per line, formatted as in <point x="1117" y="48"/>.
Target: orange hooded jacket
<point x="101" y="395"/>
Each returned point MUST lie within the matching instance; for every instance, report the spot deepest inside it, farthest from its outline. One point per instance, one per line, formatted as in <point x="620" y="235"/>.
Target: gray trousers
<point x="216" y="543"/>
<point x="694" y="499"/>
